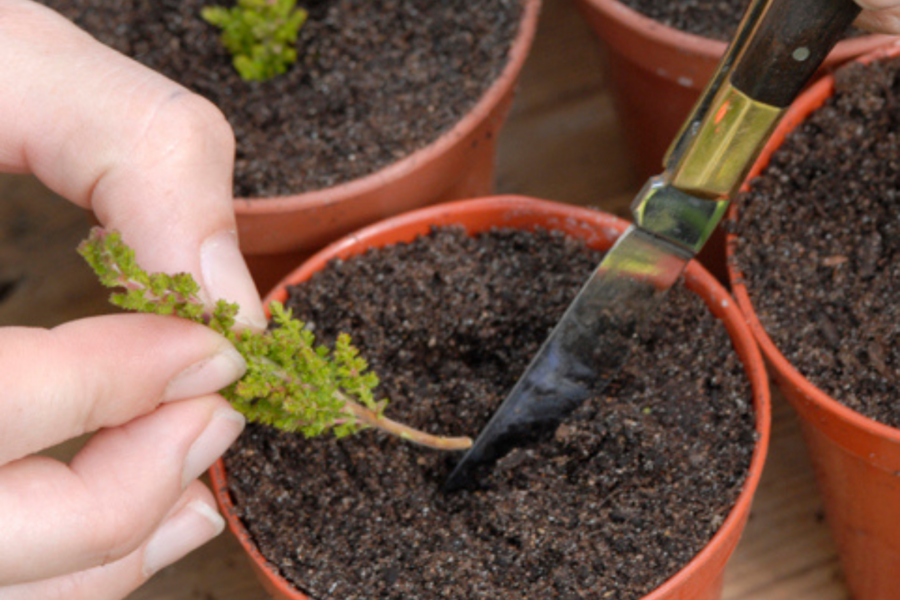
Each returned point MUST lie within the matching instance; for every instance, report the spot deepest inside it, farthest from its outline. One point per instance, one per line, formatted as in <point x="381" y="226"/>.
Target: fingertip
<point x="879" y="20"/>
<point x="226" y="276"/>
<point x="224" y="427"/>
<point x="206" y="376"/>
<point x="192" y="522"/>
<point x="190" y="527"/>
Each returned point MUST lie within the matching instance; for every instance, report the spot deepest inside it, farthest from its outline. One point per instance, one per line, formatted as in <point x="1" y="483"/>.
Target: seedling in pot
<point x="260" y="35"/>
<point x="290" y="383"/>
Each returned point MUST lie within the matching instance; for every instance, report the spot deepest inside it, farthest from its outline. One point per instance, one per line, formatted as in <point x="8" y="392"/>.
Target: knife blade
<point x="778" y="47"/>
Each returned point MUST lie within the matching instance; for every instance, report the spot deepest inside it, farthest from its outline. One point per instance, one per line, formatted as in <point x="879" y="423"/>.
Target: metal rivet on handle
<point x="801" y="54"/>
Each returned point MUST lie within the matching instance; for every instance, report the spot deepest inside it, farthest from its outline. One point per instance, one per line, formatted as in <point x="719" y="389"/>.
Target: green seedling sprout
<point x="290" y="383"/>
<point x="261" y="35"/>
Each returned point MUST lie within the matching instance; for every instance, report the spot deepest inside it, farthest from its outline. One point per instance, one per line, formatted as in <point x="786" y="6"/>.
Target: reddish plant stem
<point x="372" y="419"/>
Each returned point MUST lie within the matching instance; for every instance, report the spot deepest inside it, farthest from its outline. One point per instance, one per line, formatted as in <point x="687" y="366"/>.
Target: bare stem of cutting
<point x="372" y="419"/>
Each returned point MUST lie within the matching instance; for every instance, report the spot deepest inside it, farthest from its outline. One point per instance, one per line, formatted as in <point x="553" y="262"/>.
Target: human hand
<point x="153" y="161"/>
<point x="880" y="16"/>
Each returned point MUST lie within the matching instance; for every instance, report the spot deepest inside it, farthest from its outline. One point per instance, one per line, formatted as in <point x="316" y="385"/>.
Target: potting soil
<point x="375" y="80"/>
<point x="623" y="496"/>
<point x="714" y="19"/>
<point x="819" y="243"/>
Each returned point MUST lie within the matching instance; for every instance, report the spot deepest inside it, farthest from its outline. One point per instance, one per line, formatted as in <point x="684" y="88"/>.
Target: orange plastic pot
<point x="701" y="578"/>
<point x="856" y="460"/>
<point x="276" y="233"/>
<point x="656" y="73"/>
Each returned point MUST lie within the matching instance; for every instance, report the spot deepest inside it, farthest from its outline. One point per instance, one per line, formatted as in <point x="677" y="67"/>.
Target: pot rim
<point x="499" y="88"/>
<point x="697" y="44"/>
<point x="700" y="281"/>
<point x="807" y="103"/>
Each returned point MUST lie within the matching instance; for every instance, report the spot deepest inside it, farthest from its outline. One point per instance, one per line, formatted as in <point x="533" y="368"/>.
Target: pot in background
<point x="856" y="459"/>
<point x="277" y="233"/>
<point x="701" y="578"/>
<point x="656" y="73"/>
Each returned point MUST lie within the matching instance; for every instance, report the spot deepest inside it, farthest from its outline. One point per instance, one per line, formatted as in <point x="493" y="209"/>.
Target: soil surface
<point x="624" y="494"/>
<point x="819" y="243"/>
<point x="375" y="81"/>
<point x="715" y="19"/>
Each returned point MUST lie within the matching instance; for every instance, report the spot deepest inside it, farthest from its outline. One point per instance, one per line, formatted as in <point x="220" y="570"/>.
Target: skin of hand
<point x="880" y="16"/>
<point x="153" y="161"/>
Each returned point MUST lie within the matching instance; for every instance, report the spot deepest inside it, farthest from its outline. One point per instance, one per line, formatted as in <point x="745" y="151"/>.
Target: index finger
<point x="880" y="20"/>
<point x="149" y="157"/>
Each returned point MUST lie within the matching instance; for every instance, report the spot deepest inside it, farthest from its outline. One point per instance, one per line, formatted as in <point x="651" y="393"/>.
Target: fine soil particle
<point x="626" y="493"/>
<point x="819" y="243"/>
<point x="375" y="81"/>
<point x="715" y="19"/>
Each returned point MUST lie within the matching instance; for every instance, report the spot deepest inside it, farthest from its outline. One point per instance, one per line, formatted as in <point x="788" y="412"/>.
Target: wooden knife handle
<point x="790" y="43"/>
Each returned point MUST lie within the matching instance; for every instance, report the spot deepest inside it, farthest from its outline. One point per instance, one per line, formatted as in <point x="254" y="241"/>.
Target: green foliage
<point x="290" y="383"/>
<point x="260" y="35"/>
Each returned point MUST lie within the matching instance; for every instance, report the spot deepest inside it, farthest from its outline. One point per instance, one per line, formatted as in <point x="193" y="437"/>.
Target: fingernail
<point x="188" y="529"/>
<point x="225" y="276"/>
<point x="224" y="427"/>
<point x="206" y="376"/>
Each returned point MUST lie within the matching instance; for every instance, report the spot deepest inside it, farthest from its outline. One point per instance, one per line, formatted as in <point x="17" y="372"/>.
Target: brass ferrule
<point x="727" y="143"/>
<point x="680" y="218"/>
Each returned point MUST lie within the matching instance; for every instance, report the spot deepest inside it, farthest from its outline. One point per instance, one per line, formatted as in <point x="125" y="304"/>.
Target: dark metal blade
<point x="585" y="350"/>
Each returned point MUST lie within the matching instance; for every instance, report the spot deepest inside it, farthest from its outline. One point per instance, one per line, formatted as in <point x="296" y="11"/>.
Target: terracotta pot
<point x="277" y="233"/>
<point x="701" y="579"/>
<point x="856" y="460"/>
<point x="656" y="73"/>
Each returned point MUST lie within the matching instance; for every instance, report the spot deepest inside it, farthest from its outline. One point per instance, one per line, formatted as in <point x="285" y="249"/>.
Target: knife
<point x="778" y="47"/>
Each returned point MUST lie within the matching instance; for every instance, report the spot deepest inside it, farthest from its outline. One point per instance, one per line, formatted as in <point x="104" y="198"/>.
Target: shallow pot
<point x="276" y="233"/>
<point x="701" y="578"/>
<point x="656" y="73"/>
<point x="856" y="459"/>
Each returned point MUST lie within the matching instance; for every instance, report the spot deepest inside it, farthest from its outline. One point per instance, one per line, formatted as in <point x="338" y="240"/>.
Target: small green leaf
<point x="291" y="382"/>
<point x="260" y="35"/>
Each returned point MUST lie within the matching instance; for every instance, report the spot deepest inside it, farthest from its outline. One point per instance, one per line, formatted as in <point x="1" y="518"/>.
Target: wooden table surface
<point x="562" y="142"/>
